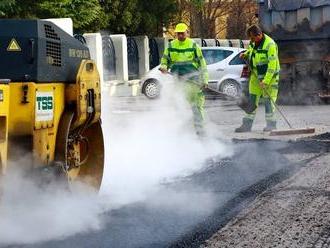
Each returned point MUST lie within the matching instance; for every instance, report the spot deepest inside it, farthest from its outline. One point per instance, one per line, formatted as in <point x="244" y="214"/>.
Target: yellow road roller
<point x="50" y="102"/>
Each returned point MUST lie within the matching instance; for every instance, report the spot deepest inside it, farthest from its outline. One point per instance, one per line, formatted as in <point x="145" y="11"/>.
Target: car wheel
<point x="151" y="88"/>
<point x="231" y="88"/>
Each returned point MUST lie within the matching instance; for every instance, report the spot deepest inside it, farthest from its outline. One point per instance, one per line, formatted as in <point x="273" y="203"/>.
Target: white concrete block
<point x="278" y="18"/>
<point x="64" y="23"/>
<point x="143" y="49"/>
<point x="291" y="21"/>
<point x="304" y="13"/>
<point x="236" y="42"/>
<point x="326" y="14"/>
<point x="94" y="43"/>
<point x="210" y="42"/>
<point x="162" y="44"/>
<point x="224" y="42"/>
<point x="246" y="43"/>
<point x="317" y="19"/>
<point x="198" y="41"/>
<point x="120" y="44"/>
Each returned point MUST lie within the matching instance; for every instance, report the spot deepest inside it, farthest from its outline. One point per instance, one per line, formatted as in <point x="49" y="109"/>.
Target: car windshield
<point x="215" y="55"/>
<point x="237" y="60"/>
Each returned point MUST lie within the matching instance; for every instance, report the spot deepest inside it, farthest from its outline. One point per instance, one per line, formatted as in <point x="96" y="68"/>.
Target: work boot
<point x="201" y="135"/>
<point x="200" y="131"/>
<point x="271" y="125"/>
<point x="245" y="127"/>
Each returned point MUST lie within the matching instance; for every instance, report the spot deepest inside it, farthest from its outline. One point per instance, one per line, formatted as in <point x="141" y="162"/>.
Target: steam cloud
<point x="30" y="212"/>
<point x="143" y="149"/>
<point x="155" y="145"/>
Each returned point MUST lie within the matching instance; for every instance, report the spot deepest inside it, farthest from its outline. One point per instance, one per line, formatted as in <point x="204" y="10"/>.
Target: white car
<point x="227" y="72"/>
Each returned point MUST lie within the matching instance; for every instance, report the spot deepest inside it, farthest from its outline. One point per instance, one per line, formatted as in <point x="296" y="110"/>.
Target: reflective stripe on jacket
<point x="264" y="60"/>
<point x="183" y="57"/>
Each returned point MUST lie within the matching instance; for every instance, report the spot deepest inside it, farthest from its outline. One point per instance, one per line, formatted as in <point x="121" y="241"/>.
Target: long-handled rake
<point x="291" y="130"/>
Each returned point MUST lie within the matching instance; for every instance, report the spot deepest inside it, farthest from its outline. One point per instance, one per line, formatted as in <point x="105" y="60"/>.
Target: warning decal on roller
<point x="13" y="46"/>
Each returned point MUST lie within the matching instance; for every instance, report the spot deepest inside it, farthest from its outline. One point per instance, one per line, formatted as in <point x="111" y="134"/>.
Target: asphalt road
<point x="188" y="209"/>
<point x="148" y="225"/>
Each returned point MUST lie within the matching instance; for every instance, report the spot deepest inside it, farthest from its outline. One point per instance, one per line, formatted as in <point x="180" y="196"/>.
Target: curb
<point x="123" y="88"/>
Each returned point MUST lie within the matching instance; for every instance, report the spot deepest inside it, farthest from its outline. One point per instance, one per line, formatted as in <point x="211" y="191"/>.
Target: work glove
<point x="163" y="69"/>
<point x="242" y="56"/>
<point x="204" y="86"/>
<point x="262" y="85"/>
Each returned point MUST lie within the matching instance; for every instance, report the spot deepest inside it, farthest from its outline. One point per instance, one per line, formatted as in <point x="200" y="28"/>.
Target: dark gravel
<point x="233" y="182"/>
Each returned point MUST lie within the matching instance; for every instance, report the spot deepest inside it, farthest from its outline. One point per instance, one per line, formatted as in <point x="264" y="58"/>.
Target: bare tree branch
<point x="210" y="18"/>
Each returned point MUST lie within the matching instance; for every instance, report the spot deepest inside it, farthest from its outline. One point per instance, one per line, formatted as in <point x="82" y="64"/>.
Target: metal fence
<point x="224" y="42"/>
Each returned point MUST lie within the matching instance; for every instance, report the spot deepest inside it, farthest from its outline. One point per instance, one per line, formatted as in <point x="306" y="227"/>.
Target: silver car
<point x="227" y="73"/>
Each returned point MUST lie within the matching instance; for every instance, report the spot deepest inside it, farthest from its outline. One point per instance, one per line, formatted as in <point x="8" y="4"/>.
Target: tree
<point x="132" y="17"/>
<point x="204" y="16"/>
<point x="18" y="8"/>
<point x="215" y="18"/>
<point x="122" y="16"/>
<point x="155" y="16"/>
<point x="135" y="17"/>
<point x="87" y="15"/>
<point x="239" y="20"/>
<point x="6" y="6"/>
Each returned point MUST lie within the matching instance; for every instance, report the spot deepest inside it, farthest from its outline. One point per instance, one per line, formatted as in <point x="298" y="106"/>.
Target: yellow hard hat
<point x="180" y="28"/>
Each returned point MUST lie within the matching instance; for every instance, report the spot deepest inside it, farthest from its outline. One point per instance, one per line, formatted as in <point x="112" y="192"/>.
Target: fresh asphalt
<point x="233" y="182"/>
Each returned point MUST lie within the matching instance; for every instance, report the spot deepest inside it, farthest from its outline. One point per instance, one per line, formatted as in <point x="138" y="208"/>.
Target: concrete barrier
<point x="120" y="44"/>
<point x="143" y="49"/>
<point x="224" y="42"/>
<point x="64" y="23"/>
<point x="162" y="44"/>
<point x="246" y="43"/>
<point x="210" y="42"/>
<point x="94" y="43"/>
<point x="124" y="89"/>
<point x="198" y="41"/>
<point x="121" y="86"/>
<point x="236" y="43"/>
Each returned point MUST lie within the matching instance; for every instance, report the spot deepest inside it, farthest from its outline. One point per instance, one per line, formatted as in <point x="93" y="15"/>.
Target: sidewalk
<point x="299" y="116"/>
<point x="123" y="88"/>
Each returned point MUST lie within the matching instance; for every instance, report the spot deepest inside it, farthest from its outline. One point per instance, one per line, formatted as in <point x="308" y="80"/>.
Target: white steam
<point x="153" y="146"/>
<point x="143" y="149"/>
<point x="30" y="212"/>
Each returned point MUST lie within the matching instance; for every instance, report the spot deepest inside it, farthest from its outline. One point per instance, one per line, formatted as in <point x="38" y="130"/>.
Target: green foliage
<point x="155" y="15"/>
<point x="87" y="15"/>
<point x="132" y="17"/>
<point x="6" y="6"/>
<point x="18" y="8"/>
<point x="137" y="17"/>
<point x="123" y="16"/>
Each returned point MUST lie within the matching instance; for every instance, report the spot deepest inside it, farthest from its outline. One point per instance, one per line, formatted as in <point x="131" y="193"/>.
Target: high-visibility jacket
<point x="265" y="65"/>
<point x="184" y="57"/>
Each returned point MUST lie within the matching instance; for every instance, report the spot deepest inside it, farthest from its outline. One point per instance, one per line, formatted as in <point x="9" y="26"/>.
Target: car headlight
<point x="1" y="95"/>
